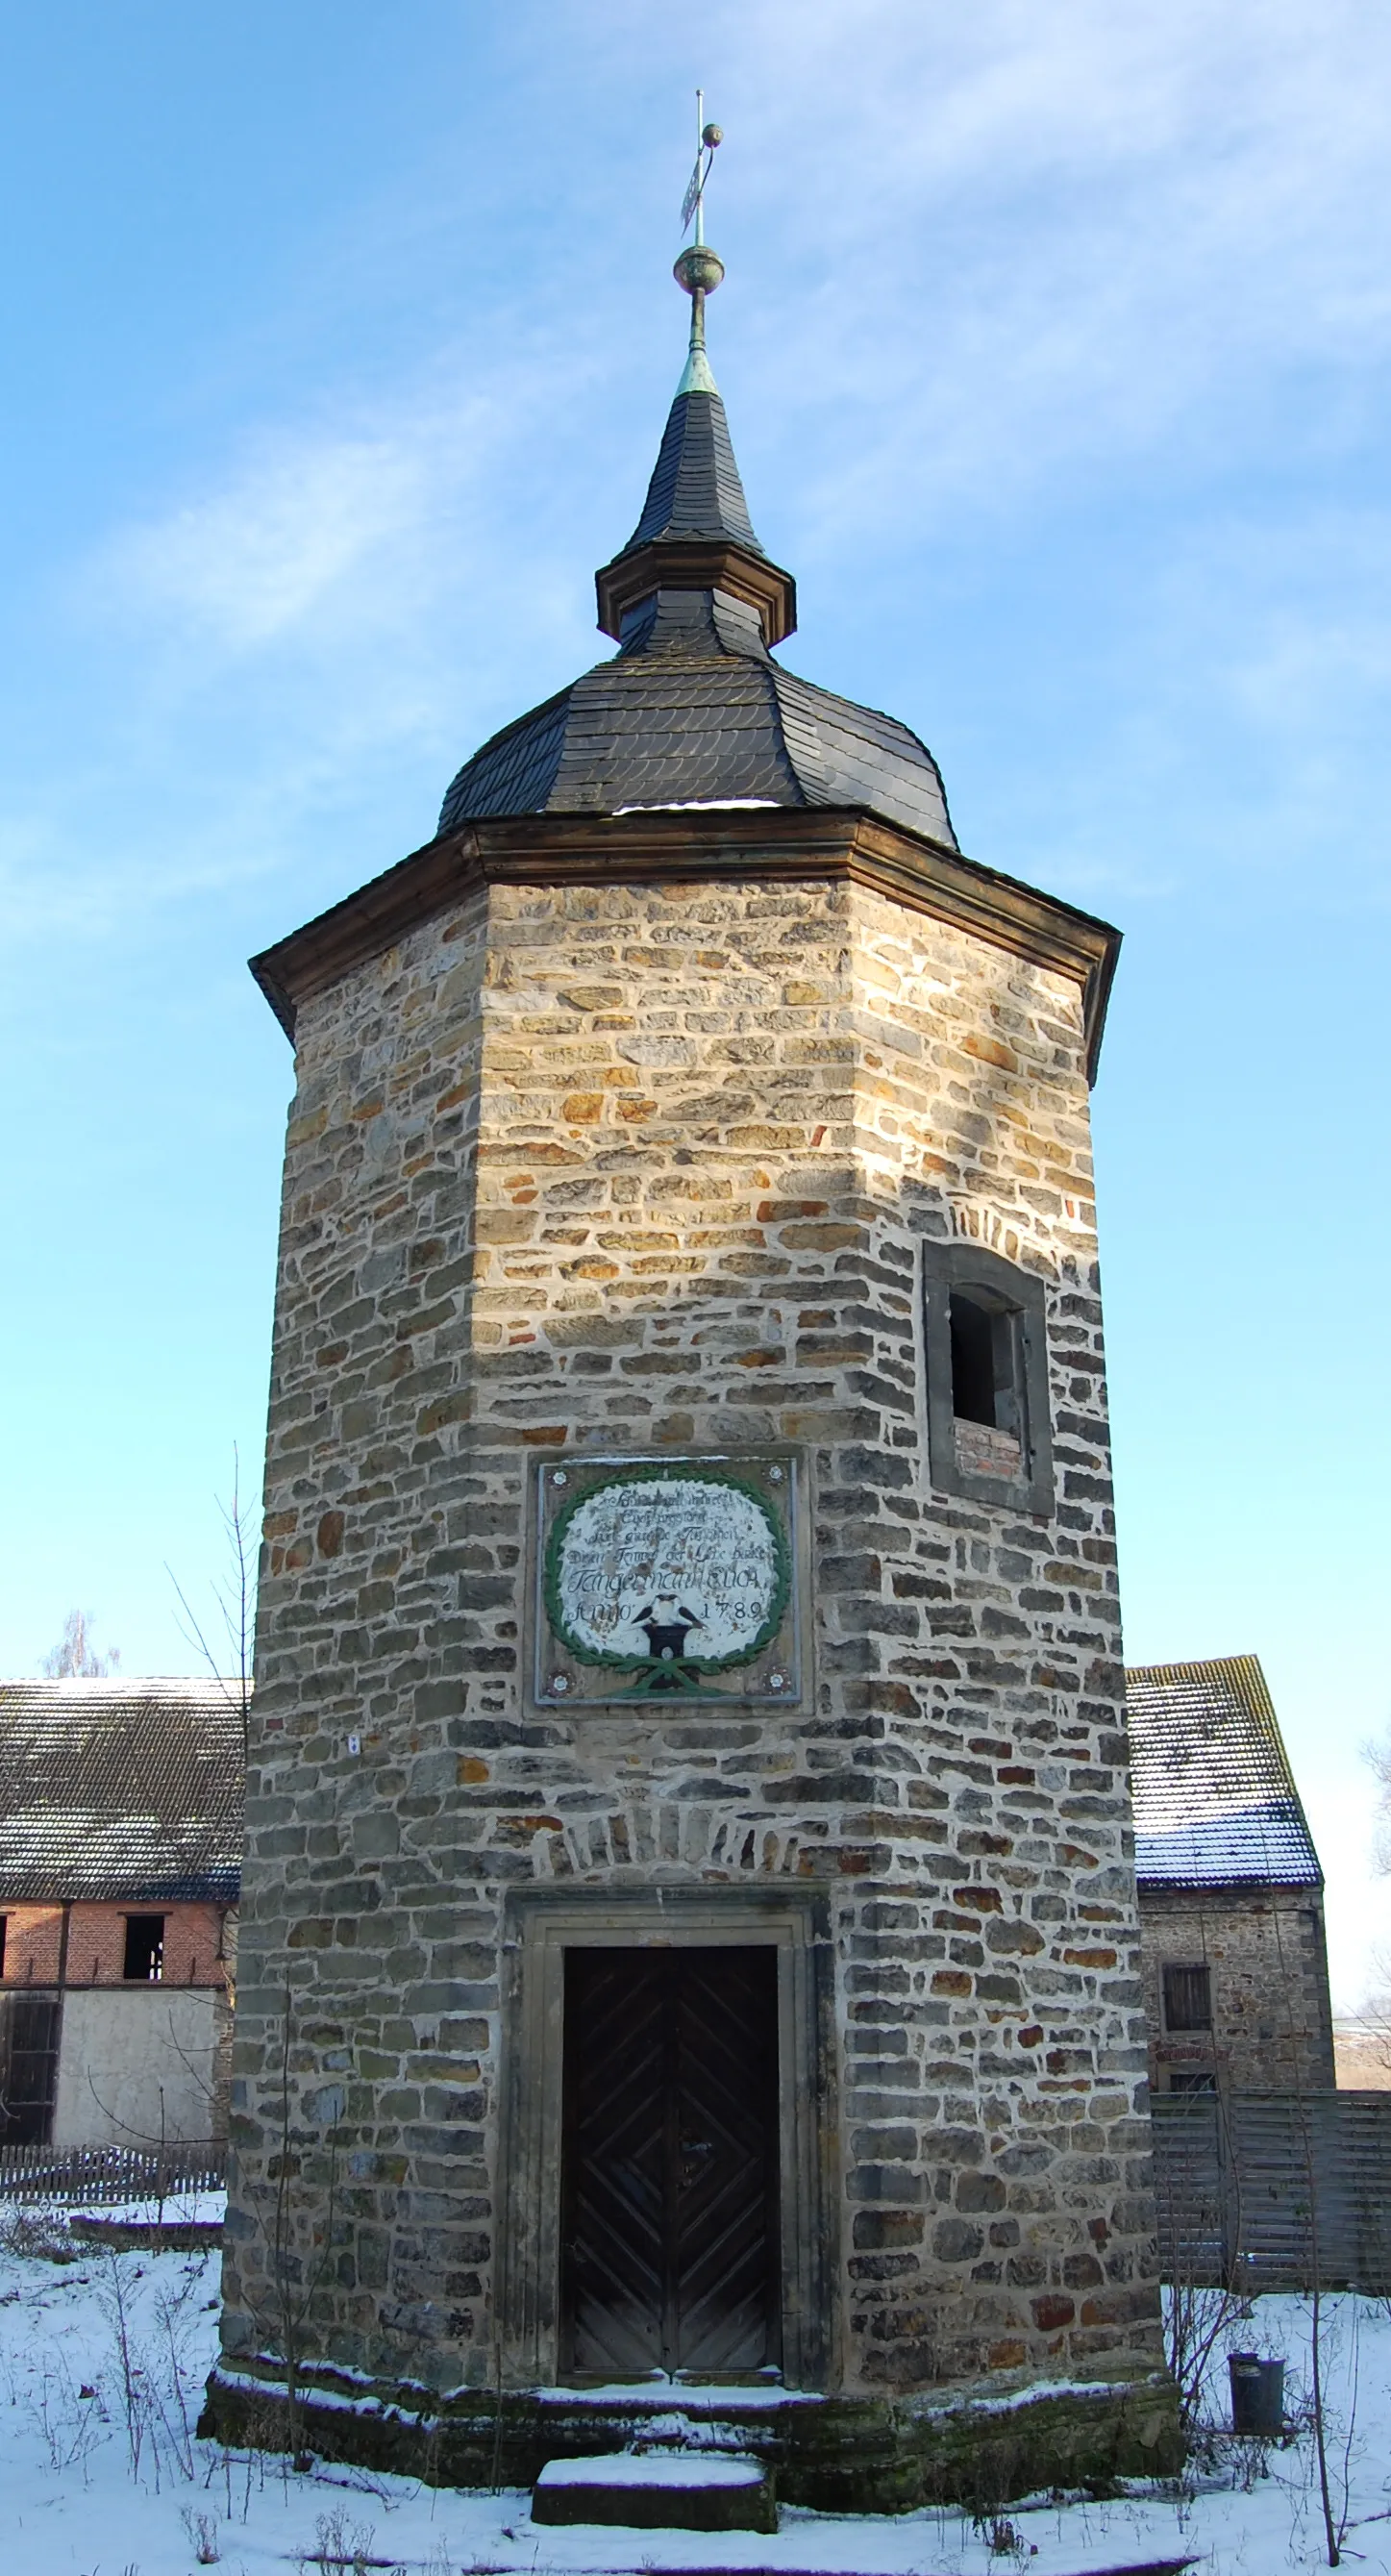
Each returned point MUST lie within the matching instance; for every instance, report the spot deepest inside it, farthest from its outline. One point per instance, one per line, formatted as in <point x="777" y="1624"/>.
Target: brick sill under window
<point x="981" y="1450"/>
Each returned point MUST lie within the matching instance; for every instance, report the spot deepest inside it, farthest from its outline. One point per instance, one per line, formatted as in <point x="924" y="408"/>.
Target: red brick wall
<point x="32" y="1936"/>
<point x="193" y="1937"/>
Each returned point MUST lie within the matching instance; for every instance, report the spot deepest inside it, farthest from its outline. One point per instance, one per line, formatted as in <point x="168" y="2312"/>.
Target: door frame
<point x="540" y="1925"/>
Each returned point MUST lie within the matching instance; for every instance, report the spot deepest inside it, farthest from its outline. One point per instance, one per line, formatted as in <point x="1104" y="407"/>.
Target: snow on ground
<point x="102" y="2363"/>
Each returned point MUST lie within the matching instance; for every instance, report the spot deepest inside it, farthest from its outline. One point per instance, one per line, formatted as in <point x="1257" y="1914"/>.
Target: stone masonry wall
<point x="646" y="1169"/>
<point x="1272" y="2021"/>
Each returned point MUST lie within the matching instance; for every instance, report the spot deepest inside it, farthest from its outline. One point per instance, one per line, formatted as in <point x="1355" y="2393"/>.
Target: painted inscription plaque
<point x="662" y="1579"/>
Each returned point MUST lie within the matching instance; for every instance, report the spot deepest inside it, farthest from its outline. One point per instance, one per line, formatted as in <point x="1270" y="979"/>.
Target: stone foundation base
<point x="835" y="2454"/>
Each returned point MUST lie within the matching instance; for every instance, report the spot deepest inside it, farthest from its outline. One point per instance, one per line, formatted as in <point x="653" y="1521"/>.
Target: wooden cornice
<point x="687" y="563"/>
<point x="723" y="845"/>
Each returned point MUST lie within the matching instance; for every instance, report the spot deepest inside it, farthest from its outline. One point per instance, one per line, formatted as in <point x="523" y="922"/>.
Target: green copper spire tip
<point x="697" y="376"/>
<point x="699" y="270"/>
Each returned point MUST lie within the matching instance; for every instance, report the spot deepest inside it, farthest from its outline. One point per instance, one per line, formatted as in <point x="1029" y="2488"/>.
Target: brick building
<point x="688" y="1861"/>
<point x="1231" y="1893"/>
<point x="120" y="1854"/>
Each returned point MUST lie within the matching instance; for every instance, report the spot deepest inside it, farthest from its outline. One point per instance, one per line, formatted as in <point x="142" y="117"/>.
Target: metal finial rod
<point x="708" y="140"/>
<point x="699" y="269"/>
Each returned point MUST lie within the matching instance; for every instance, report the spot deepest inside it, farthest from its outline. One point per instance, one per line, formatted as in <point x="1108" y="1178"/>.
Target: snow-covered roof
<point x="120" y="1790"/>
<point x="1215" y="1800"/>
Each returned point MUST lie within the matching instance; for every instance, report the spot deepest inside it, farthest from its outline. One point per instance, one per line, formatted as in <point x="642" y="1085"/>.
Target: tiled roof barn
<point x="121" y="1791"/>
<point x="1215" y="1800"/>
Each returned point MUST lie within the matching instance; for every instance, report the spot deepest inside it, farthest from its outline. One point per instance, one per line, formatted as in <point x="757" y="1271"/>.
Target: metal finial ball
<point x="710" y="135"/>
<point x="699" y="267"/>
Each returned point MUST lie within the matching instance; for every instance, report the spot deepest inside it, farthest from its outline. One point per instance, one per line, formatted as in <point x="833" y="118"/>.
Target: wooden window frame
<point x="1192" y="1968"/>
<point x="1019" y="1295"/>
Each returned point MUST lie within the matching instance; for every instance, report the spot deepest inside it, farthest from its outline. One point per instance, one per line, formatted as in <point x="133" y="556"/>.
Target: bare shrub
<point x="342" y="2549"/>
<point x="72" y="2421"/>
<point x="202" y="2535"/>
<point x="1198" y="2319"/>
<point x="155" y="2365"/>
<point x="37" y="2233"/>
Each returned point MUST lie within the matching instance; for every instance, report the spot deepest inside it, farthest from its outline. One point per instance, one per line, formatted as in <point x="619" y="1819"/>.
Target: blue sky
<point x="1056" y="343"/>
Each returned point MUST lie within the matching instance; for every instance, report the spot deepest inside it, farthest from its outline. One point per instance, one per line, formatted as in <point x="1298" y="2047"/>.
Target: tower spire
<point x="695" y="533"/>
<point x="693" y="710"/>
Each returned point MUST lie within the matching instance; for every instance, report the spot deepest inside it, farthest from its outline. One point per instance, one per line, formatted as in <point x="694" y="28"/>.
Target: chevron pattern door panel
<point x="669" y="2206"/>
<point x="614" y="2214"/>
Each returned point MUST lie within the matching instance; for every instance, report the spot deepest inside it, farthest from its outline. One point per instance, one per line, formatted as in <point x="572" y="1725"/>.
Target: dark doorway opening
<point x="669" y="2235"/>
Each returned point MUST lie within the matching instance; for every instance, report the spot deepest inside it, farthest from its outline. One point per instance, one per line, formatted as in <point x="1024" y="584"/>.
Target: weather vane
<point x="708" y="139"/>
<point x="699" y="269"/>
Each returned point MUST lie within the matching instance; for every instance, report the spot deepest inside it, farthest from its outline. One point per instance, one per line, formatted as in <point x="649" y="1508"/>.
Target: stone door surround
<point x="540" y="1925"/>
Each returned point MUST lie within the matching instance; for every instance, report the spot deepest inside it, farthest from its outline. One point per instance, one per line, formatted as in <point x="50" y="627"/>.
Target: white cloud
<point x="293" y="532"/>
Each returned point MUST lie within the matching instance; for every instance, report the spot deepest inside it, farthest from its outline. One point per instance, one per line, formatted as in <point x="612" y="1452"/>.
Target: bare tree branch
<point x="235" y="1596"/>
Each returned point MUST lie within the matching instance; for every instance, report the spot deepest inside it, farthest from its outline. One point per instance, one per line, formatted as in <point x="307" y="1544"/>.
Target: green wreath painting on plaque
<point x="663" y="1577"/>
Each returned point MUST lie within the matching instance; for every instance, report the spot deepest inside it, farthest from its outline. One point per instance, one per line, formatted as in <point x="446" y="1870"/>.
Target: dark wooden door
<point x="669" y="2185"/>
<point x="29" y="2027"/>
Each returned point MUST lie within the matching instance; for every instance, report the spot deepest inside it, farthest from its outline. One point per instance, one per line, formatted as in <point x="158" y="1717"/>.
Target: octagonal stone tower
<point x="690" y="1934"/>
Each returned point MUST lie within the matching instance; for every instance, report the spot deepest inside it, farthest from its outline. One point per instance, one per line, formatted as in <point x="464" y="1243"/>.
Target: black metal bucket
<point x="1258" y="2393"/>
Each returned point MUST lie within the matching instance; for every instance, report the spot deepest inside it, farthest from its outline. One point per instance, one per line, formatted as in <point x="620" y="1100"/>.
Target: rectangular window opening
<point x="1187" y="1997"/>
<point x="987" y="1393"/>
<point x="1193" y="2080"/>
<point x="144" y="1958"/>
<point x="973" y="1393"/>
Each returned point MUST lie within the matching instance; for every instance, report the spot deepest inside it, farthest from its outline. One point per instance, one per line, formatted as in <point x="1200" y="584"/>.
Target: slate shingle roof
<point x="1215" y="1800"/>
<point x="696" y="490"/>
<point x="693" y="710"/>
<point x="120" y="1791"/>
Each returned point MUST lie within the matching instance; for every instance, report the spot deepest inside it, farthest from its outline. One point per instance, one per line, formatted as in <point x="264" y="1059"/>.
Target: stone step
<point x="658" y="2491"/>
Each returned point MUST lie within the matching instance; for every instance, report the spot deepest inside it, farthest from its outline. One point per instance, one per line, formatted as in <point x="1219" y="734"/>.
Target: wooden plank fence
<point x="102" y="2176"/>
<point x="1275" y="2190"/>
